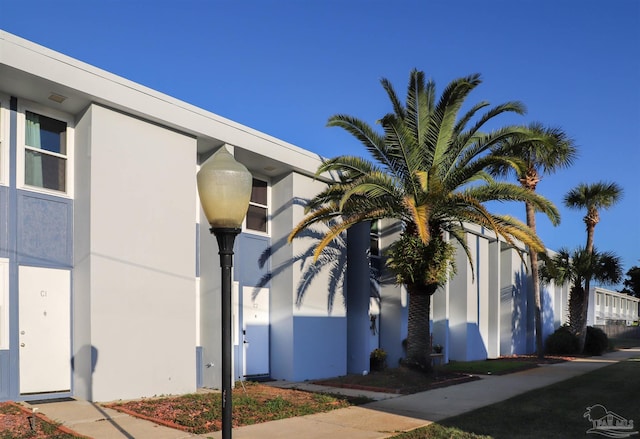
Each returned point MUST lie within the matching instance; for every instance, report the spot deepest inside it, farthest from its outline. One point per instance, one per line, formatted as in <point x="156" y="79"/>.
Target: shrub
<point x="378" y="360"/>
<point x="596" y="342"/>
<point x="562" y="342"/>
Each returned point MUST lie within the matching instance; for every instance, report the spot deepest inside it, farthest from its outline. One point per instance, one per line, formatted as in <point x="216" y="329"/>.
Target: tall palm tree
<point x="543" y="151"/>
<point x="592" y="197"/>
<point x="579" y="268"/>
<point x="428" y="171"/>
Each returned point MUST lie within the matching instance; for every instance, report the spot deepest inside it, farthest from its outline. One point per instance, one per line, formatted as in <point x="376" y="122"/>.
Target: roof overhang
<point x="33" y="72"/>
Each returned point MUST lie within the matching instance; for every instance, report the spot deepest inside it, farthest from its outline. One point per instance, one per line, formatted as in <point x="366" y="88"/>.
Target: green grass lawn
<point x="552" y="412"/>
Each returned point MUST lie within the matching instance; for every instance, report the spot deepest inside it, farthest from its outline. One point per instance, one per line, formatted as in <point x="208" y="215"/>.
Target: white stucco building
<point x="109" y="277"/>
<point x="611" y="307"/>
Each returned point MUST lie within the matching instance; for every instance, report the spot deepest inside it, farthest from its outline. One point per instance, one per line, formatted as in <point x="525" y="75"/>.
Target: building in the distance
<point x="608" y="307"/>
<point x="109" y="277"/>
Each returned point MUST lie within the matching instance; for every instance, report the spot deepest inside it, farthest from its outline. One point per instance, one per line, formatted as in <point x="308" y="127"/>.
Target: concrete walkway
<point x="386" y="416"/>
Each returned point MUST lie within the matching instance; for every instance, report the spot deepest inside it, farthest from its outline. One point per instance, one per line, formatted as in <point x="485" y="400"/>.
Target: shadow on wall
<point x="519" y="315"/>
<point x="85" y="353"/>
<point x="548" y="314"/>
<point x="89" y="352"/>
<point x="333" y="258"/>
<point x="466" y="343"/>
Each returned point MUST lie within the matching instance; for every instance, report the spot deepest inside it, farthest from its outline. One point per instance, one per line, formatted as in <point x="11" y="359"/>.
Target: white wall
<point x="308" y="340"/>
<point x="282" y="299"/>
<point x="141" y="261"/>
<point x="513" y="303"/>
<point x="469" y="295"/>
<point x="494" y="273"/>
<point x="358" y="298"/>
<point x="393" y="301"/>
<point x="82" y="358"/>
<point x="210" y="307"/>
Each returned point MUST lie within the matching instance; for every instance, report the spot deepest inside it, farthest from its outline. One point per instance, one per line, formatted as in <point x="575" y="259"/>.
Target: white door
<point x="255" y="330"/>
<point x="45" y="325"/>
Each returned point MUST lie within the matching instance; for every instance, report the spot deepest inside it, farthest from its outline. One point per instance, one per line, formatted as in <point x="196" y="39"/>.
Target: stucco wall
<point x="308" y="335"/>
<point x="141" y="257"/>
<point x="81" y="299"/>
<point x="513" y="303"/>
<point x="393" y="301"/>
<point x="282" y="298"/>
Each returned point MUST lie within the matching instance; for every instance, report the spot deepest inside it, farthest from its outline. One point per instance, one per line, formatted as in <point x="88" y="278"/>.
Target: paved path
<point x="380" y="419"/>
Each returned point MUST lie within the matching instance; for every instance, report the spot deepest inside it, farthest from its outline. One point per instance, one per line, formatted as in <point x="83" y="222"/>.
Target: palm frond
<point x="372" y="141"/>
<point x="501" y="191"/>
<point x="600" y="195"/>
<point x="444" y="116"/>
<point x="321" y="215"/>
<point x="398" y="107"/>
<point x="348" y="167"/>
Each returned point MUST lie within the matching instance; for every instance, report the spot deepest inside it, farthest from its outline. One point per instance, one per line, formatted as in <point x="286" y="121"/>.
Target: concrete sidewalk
<point x="386" y="416"/>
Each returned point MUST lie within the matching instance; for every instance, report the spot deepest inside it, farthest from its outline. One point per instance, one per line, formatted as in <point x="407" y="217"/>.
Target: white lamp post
<point x="224" y="186"/>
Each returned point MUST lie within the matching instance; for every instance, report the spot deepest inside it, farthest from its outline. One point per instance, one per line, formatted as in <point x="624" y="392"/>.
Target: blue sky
<point x="284" y="66"/>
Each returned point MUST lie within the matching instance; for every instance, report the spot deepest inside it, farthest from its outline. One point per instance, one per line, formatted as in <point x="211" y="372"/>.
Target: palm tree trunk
<point x="575" y="308"/>
<point x="578" y="304"/>
<point x="591" y="227"/>
<point x="419" y="329"/>
<point x="535" y="280"/>
<point x="582" y="336"/>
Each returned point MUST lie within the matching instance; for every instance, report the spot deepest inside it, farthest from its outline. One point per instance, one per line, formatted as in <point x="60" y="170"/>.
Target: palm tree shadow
<point x="333" y="259"/>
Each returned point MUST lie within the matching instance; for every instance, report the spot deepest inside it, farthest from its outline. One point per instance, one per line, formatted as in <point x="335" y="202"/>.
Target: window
<point x="45" y="152"/>
<point x="258" y="213"/>
<point x="598" y="299"/>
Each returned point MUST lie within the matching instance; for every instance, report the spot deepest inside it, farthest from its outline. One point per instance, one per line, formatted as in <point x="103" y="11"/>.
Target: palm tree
<point x="593" y="197"/>
<point x="579" y="268"/>
<point x="428" y="172"/>
<point x="543" y="151"/>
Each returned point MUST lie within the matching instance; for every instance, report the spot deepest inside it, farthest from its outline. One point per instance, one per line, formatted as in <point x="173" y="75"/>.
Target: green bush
<point x="377" y="360"/>
<point x="562" y="342"/>
<point x="596" y="342"/>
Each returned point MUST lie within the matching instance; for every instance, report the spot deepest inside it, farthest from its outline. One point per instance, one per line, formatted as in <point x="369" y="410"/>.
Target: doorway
<point x="255" y="331"/>
<point x="44" y="320"/>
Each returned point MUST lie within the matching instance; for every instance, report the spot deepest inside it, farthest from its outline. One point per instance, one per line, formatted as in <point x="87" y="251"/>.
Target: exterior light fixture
<point x="224" y="187"/>
<point x="57" y="98"/>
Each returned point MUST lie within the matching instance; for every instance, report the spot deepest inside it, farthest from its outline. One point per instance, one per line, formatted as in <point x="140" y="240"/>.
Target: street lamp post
<point x="224" y="186"/>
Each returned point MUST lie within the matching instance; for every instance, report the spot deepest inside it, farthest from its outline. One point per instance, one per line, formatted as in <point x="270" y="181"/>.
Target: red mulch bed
<point x="253" y="403"/>
<point x="18" y="422"/>
<point x="400" y="380"/>
<point x="548" y="359"/>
